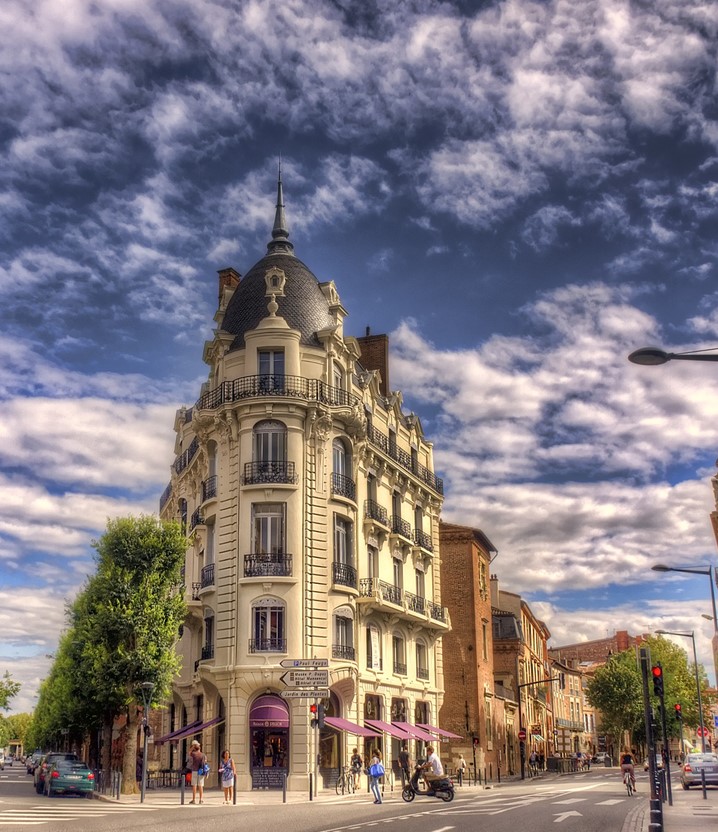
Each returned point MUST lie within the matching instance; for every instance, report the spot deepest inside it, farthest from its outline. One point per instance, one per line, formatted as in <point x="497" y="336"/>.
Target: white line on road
<point x="610" y="802"/>
<point x="562" y="817"/>
<point x="570" y="800"/>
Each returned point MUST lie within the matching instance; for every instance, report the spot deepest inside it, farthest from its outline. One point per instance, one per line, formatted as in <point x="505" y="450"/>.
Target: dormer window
<point x="274" y="280"/>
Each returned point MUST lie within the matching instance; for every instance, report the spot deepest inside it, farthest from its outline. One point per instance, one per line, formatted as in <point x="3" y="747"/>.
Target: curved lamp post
<point x="146" y="689"/>
<point x="692" y="637"/>
<point x="650" y="356"/>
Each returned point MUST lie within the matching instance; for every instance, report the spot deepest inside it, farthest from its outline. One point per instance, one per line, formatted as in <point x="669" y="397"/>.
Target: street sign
<point x="715" y="721"/>
<point x="703" y="732"/>
<point x="304" y="694"/>
<point x="305" y="678"/>
<point x="304" y="663"/>
<point x="522" y="734"/>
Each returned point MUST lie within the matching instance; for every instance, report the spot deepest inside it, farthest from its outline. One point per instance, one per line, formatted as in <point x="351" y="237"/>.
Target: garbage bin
<point x="608" y="762"/>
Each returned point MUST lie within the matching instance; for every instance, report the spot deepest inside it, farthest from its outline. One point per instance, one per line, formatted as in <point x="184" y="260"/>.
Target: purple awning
<point x="350" y="727"/>
<point x="415" y="731"/>
<point x="269" y="712"/>
<point x="177" y="732"/>
<point x="192" y="729"/>
<point x="398" y="733"/>
<point x="439" y="731"/>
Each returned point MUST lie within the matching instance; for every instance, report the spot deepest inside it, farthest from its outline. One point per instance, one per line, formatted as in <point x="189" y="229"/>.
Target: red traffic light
<point x="657" y="671"/>
<point x="677" y="706"/>
<point x="313" y="709"/>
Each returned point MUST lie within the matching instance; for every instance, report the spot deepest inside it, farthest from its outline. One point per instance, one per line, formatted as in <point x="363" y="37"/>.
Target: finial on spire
<point x="280" y="233"/>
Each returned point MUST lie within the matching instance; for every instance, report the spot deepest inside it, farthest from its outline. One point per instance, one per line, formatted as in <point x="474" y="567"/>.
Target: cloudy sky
<point x="519" y="193"/>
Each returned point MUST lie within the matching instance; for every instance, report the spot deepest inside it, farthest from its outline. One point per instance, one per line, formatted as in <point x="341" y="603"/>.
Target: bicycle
<point x="345" y="781"/>
<point x="629" y="782"/>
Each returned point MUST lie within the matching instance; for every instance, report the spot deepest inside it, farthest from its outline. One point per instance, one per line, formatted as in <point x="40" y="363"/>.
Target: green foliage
<point x="8" y="689"/>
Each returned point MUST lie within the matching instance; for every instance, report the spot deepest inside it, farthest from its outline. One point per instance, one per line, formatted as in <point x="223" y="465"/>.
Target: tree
<point x="8" y="689"/>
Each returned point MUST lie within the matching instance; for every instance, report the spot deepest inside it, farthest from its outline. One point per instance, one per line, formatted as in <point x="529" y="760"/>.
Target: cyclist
<point x="627" y="763"/>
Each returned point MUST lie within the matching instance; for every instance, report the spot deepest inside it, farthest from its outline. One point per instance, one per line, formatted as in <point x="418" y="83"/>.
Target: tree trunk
<point x="129" y="758"/>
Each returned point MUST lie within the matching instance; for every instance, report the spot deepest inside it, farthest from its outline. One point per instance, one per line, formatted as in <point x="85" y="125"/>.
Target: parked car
<point x="2" y="760"/>
<point x="69" y="777"/>
<point x="600" y="758"/>
<point x="44" y="765"/>
<point x="694" y="764"/>
<point x="659" y="763"/>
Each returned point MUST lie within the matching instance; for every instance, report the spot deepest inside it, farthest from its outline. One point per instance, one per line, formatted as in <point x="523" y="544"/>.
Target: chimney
<point x="494" y="583"/>
<point x="228" y="279"/>
<point x="375" y="356"/>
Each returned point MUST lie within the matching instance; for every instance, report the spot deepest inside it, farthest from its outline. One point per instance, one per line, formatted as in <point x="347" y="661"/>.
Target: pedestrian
<point x="404" y="765"/>
<point x="461" y="769"/>
<point x="138" y="769"/>
<point x="227" y="773"/>
<point x="376" y="772"/>
<point x="356" y="763"/>
<point x="533" y="761"/>
<point x="196" y="764"/>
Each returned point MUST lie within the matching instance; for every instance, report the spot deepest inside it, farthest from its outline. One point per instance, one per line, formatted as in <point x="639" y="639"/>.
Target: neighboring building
<point x="598" y="650"/>
<point x="312" y="513"/>
<point x="486" y="723"/>
<point x="521" y="665"/>
<point x="570" y="730"/>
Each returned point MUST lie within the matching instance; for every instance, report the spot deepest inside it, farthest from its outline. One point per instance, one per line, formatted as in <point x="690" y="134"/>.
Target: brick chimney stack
<point x="375" y="356"/>
<point x="228" y="279"/>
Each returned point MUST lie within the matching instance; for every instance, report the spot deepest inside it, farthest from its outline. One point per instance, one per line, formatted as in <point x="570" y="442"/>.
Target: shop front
<point x="269" y="741"/>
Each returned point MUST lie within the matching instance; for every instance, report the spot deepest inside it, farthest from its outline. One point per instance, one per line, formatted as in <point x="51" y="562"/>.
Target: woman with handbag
<point x="376" y="771"/>
<point x="197" y="764"/>
<point x="227" y="773"/>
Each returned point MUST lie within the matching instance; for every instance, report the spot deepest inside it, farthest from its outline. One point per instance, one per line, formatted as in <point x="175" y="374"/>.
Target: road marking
<point x="443" y="829"/>
<point x="562" y="817"/>
<point x="610" y="802"/>
<point x="570" y="800"/>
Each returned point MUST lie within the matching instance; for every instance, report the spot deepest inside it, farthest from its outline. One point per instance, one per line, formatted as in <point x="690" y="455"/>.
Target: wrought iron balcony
<point x="400" y="668"/>
<point x="415" y="603"/>
<point x="209" y="488"/>
<point x="374" y="511"/>
<point x="344" y="574"/>
<point x="259" y="472"/>
<point x="371" y="587"/>
<point x="344" y="486"/>
<point x="184" y="459"/>
<point x="390" y="448"/>
<point x="197" y="519"/>
<point x="166" y="494"/>
<point x="423" y="539"/>
<point x="207" y="652"/>
<point x="274" y="564"/>
<point x="343" y="651"/>
<point x="437" y="612"/>
<point x="293" y="387"/>
<point x="267" y="645"/>
<point x="399" y="526"/>
<point x="207" y="576"/>
<point x="374" y="664"/>
<point x="422" y="673"/>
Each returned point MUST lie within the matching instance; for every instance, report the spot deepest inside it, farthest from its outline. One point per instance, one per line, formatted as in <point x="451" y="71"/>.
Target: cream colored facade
<point x="312" y="515"/>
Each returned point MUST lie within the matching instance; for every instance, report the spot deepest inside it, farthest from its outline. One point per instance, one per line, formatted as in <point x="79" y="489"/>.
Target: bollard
<point x="284" y="789"/>
<point x="703" y="784"/>
<point x="656" y="824"/>
<point x="491" y="772"/>
<point x="310" y="786"/>
<point x="183" y="783"/>
<point x="486" y="782"/>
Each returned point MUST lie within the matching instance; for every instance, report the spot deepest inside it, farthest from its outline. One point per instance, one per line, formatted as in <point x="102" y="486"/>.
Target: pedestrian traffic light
<point x="657" y="671"/>
<point x="320" y="715"/>
<point x="679" y="711"/>
<point x="313" y="710"/>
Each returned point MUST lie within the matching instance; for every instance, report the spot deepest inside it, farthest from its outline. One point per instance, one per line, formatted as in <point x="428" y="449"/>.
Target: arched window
<point x="268" y="626"/>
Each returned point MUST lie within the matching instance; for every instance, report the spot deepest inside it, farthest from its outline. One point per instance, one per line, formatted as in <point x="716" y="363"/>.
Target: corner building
<point x="312" y="514"/>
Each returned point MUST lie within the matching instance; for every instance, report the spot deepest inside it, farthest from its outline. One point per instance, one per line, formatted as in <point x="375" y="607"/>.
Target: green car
<point x="69" y="777"/>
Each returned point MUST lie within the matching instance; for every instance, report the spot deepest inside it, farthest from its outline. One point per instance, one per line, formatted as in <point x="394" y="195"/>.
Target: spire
<point x="279" y="243"/>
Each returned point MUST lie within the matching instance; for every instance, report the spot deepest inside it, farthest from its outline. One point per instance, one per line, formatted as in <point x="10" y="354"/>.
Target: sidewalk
<point x="689" y="811"/>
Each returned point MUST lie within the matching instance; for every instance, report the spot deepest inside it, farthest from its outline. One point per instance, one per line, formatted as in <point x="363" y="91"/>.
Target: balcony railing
<point x="390" y="448"/>
<point x="374" y="511"/>
<point x="166" y="494"/>
<point x="400" y="668"/>
<point x="184" y="459"/>
<point x="436" y="612"/>
<point x="343" y="651"/>
<point x="370" y="664"/>
<point x="415" y="603"/>
<point x="207" y="576"/>
<point x="293" y="387"/>
<point x="344" y="486"/>
<point x="209" y="488"/>
<point x="271" y="564"/>
<point x="267" y="645"/>
<point x="422" y="672"/>
<point x="369" y="587"/>
<point x="195" y="588"/>
<point x="399" y="526"/>
<point x="197" y="519"/>
<point x="344" y="574"/>
<point x="423" y="539"/>
<point x="207" y="652"/>
<point x="258" y="472"/>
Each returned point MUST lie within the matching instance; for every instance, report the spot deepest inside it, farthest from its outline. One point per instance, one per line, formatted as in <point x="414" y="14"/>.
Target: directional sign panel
<point x="304" y="694"/>
<point x="305" y="678"/>
<point x="304" y="663"/>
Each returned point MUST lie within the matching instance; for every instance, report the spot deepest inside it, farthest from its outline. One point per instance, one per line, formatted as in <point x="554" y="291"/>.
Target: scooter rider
<point x="432" y="767"/>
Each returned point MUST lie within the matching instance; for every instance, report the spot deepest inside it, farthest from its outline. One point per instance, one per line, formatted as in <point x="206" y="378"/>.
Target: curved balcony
<point x="344" y="574"/>
<point x="207" y="652"/>
<point x="267" y="645"/>
<point x="256" y="473"/>
<point x="184" y="459"/>
<point x="344" y="486"/>
<point x="343" y="651"/>
<point x="166" y="494"/>
<point x="197" y="519"/>
<point x="292" y="387"/>
<point x="270" y="564"/>
<point x="207" y="576"/>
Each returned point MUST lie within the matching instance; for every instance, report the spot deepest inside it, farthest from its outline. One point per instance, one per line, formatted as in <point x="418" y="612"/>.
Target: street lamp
<point x="700" y="570"/>
<point x="146" y="689"/>
<point x="692" y="637"/>
<point x="651" y="356"/>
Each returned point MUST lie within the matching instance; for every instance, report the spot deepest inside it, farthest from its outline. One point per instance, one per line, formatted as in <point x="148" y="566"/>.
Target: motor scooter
<point x="442" y="789"/>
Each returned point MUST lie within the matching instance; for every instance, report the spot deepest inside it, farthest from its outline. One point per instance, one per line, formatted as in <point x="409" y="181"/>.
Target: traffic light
<point x="657" y="671"/>
<point x="313" y="709"/>
<point x="679" y="712"/>
<point x="320" y="715"/>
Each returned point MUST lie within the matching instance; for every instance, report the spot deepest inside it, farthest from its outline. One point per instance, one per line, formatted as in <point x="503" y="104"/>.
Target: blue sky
<point x="519" y="193"/>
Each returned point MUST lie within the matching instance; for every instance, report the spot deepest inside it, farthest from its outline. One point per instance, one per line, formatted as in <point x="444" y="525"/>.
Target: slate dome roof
<point x="303" y="306"/>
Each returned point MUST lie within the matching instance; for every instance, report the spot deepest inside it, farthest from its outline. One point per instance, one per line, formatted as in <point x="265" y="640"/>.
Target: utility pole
<point x="656" y="821"/>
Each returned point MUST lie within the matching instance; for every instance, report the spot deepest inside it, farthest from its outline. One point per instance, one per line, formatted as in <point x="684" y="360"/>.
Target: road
<point x="590" y="802"/>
